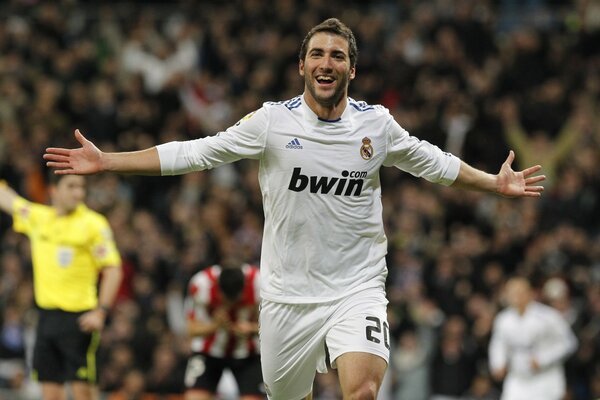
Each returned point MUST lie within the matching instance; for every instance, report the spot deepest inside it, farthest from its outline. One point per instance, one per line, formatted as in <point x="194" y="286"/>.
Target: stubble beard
<point x="328" y="101"/>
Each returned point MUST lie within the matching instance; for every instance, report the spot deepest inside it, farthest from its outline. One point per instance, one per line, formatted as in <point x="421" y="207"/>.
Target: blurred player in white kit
<point x="530" y="343"/>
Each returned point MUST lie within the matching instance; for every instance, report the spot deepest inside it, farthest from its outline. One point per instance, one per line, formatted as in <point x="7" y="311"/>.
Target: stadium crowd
<point x="474" y="77"/>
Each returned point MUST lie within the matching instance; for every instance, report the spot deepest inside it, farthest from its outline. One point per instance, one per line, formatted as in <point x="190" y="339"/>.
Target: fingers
<point x="61" y="168"/>
<point x="89" y="323"/>
<point x="79" y="136"/>
<point x="532" y="170"/>
<point x="60" y="165"/>
<point x="69" y="171"/>
<point x="59" y="161"/>
<point x="56" y="157"/>
<point x="510" y="158"/>
<point x="531" y="194"/>
<point x="533" y="191"/>
<point x="52" y="151"/>
<point x="535" y="179"/>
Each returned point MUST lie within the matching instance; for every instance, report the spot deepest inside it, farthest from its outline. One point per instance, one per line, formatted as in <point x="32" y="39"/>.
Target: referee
<point x="70" y="246"/>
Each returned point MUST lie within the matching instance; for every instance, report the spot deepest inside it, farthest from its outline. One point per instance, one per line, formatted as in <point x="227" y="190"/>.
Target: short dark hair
<point x="336" y="27"/>
<point x="231" y="282"/>
<point x="52" y="178"/>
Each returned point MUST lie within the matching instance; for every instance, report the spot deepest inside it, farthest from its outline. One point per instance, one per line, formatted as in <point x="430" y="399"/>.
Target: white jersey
<point x="541" y="333"/>
<point x="323" y="234"/>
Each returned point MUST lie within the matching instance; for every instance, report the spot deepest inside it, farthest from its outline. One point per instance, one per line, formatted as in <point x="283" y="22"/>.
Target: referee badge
<point x="366" y="150"/>
<point x="65" y="256"/>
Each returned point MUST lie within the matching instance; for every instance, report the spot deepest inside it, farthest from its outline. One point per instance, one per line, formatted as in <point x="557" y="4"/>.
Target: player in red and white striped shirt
<point x="222" y="315"/>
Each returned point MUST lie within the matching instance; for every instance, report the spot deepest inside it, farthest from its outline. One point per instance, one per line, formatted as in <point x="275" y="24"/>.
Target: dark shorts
<point x="204" y="372"/>
<point x="62" y="351"/>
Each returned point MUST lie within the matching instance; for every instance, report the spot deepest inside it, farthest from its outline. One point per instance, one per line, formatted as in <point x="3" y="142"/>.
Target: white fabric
<point x="540" y="333"/>
<point x="293" y="338"/>
<point x="323" y="235"/>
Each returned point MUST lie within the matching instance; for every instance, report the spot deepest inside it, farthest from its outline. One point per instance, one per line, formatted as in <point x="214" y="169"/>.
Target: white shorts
<point x="294" y="338"/>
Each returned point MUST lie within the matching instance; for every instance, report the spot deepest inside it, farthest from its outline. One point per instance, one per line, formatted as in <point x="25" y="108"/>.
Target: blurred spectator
<point x="539" y="147"/>
<point x="167" y="371"/>
<point x="410" y="365"/>
<point x="133" y="388"/>
<point x="454" y="363"/>
<point x="482" y="388"/>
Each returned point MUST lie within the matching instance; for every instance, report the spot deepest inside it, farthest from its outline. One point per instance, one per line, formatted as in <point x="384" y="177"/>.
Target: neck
<point x="63" y="210"/>
<point x="522" y="308"/>
<point x="327" y="112"/>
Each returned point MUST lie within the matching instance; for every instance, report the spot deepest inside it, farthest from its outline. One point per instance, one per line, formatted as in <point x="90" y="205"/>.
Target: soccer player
<point x="323" y="256"/>
<point x="222" y="314"/>
<point x="70" y="245"/>
<point x="530" y="342"/>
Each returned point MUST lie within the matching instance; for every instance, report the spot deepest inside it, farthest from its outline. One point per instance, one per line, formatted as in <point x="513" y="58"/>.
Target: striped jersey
<point x="323" y="236"/>
<point x="204" y="299"/>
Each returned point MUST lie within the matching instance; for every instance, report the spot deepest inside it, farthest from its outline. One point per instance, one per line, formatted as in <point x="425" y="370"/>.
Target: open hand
<point x="519" y="183"/>
<point x="85" y="160"/>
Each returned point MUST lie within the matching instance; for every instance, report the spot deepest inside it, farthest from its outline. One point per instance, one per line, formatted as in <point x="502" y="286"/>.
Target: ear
<point x="352" y="72"/>
<point x="301" y="67"/>
<point x="52" y="189"/>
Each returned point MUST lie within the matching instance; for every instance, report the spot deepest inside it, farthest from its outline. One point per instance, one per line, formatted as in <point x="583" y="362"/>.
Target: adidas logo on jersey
<point x="323" y="184"/>
<point x="294" y="144"/>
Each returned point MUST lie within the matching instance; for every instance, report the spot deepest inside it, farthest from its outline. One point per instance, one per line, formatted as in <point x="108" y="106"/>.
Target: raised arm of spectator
<point x="570" y="134"/>
<point x="7" y="197"/>
<point x="507" y="182"/>
<point x="88" y="159"/>
<point x="514" y="133"/>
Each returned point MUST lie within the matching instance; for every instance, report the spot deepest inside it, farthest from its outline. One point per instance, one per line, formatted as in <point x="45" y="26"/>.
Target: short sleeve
<point x="27" y="214"/>
<point x="104" y="248"/>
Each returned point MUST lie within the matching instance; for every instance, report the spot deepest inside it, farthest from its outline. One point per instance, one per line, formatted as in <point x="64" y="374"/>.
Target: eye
<point x="339" y="56"/>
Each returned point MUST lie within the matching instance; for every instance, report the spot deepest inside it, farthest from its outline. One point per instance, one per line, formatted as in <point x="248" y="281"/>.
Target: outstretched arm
<point x="507" y="182"/>
<point x="7" y="197"/>
<point x="88" y="159"/>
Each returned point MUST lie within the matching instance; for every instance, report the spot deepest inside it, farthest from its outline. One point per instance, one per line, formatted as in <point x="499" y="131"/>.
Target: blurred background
<point x="475" y="77"/>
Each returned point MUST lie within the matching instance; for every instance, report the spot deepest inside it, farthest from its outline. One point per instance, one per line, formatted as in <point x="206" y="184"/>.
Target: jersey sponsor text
<point x="324" y="185"/>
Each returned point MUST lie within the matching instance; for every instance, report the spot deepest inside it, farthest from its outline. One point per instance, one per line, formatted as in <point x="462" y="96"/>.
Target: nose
<point x="326" y="63"/>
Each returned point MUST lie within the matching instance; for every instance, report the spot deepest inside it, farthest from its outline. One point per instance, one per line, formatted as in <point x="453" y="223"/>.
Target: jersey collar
<point x="311" y="116"/>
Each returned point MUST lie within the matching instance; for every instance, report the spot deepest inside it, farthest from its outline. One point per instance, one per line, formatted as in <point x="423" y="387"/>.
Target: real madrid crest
<point x="366" y="150"/>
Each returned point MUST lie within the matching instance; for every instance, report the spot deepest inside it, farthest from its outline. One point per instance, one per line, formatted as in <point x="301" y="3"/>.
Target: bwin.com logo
<point x="294" y="144"/>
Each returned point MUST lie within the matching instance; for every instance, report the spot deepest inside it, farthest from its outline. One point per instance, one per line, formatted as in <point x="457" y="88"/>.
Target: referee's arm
<point x="109" y="285"/>
<point x="7" y="197"/>
<point x="111" y="281"/>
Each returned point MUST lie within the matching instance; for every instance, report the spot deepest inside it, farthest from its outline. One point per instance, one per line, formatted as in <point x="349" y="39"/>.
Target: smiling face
<point x="327" y="70"/>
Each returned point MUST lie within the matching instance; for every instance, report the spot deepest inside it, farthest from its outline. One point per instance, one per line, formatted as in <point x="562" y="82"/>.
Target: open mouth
<point x="325" y="80"/>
